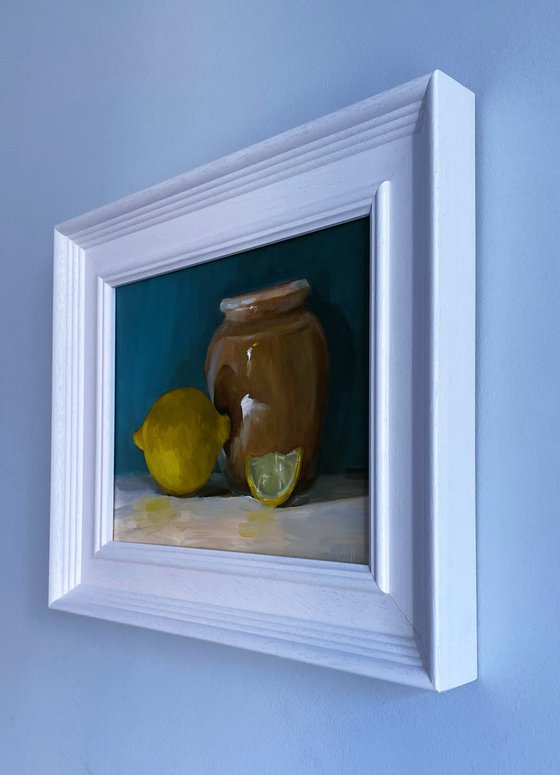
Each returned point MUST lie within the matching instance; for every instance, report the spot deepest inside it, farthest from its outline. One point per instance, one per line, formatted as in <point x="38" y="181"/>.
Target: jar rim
<point x="272" y="300"/>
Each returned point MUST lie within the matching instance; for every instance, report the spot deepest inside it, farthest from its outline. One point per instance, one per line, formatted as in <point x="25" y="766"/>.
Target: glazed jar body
<point x="267" y="368"/>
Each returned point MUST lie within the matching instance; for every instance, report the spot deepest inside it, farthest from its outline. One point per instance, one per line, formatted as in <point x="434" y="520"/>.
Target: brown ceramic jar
<point x="267" y="367"/>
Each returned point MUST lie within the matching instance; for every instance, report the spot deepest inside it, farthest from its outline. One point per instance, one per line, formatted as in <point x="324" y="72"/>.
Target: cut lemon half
<point x="272" y="477"/>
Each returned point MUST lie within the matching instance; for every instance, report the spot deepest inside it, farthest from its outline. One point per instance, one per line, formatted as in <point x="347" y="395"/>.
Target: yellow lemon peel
<point x="181" y="438"/>
<point x="273" y="477"/>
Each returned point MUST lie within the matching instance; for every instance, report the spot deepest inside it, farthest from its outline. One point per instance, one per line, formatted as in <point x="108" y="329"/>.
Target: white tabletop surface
<point x="330" y="523"/>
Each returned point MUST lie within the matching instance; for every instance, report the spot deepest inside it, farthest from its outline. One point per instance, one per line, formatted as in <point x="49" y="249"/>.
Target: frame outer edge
<point x="321" y="129"/>
<point x="57" y="559"/>
<point x="452" y="569"/>
<point x="385" y="658"/>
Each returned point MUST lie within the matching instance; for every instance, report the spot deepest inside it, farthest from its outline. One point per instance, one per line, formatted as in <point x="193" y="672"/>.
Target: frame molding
<point x="406" y="159"/>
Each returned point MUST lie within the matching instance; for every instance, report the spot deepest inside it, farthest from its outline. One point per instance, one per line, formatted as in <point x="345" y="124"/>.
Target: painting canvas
<point x="242" y="401"/>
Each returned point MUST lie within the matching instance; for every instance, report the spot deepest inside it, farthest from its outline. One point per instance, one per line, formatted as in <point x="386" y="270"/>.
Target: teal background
<point x="164" y="325"/>
<point x="100" y="98"/>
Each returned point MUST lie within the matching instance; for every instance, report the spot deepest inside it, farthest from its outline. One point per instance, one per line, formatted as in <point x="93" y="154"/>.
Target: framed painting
<point x="263" y="396"/>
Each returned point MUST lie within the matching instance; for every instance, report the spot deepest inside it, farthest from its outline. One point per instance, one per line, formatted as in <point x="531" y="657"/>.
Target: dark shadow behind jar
<point x="267" y="366"/>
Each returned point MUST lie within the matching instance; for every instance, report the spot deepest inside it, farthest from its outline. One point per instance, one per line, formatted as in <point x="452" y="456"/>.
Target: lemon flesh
<point x="273" y="477"/>
<point x="181" y="438"/>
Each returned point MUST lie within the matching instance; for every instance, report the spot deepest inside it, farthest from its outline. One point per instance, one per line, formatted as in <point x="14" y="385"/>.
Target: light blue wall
<point x="99" y="99"/>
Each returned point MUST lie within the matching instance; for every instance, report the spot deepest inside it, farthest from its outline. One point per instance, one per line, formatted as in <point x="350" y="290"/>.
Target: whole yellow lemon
<point x="181" y="438"/>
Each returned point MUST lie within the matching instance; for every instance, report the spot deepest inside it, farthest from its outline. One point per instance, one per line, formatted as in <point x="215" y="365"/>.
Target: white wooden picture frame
<point x="406" y="158"/>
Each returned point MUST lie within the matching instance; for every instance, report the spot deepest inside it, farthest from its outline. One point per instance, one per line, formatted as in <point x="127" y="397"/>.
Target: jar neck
<point x="266" y="303"/>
